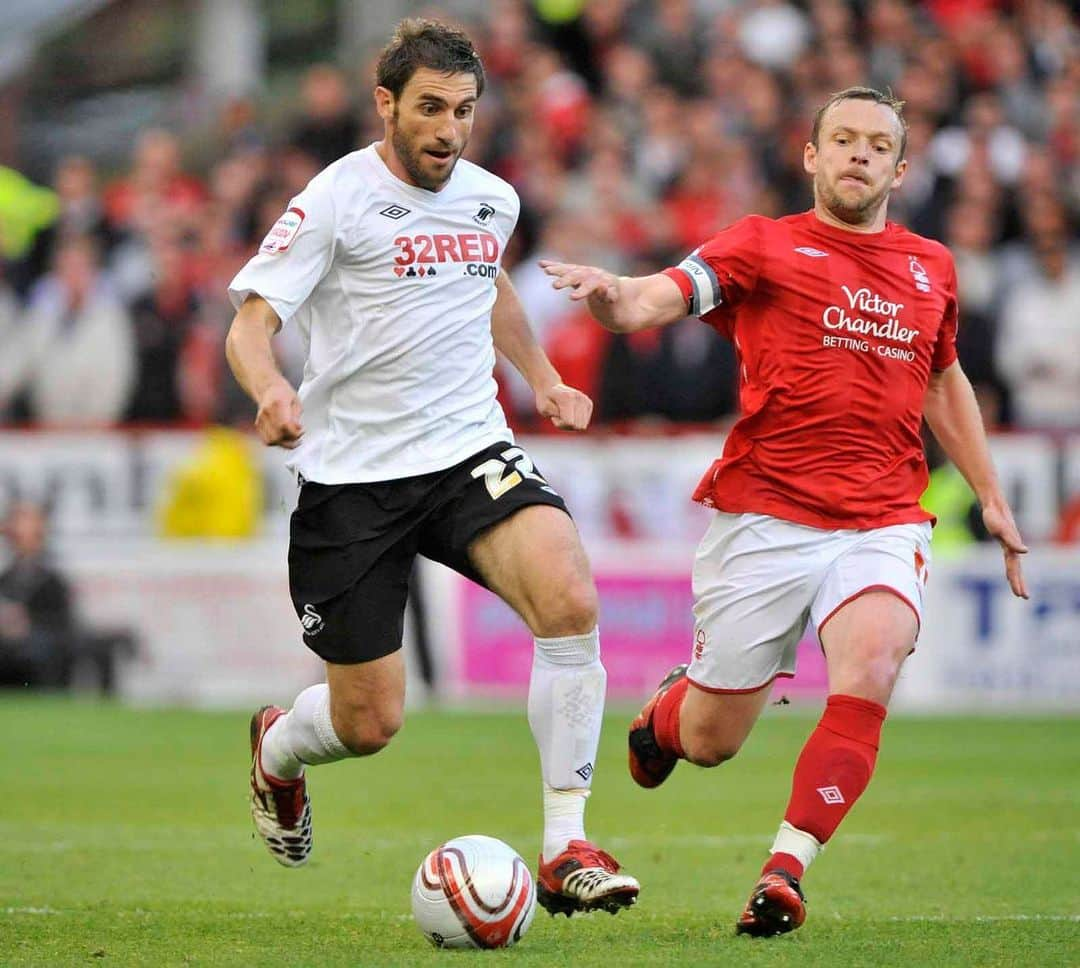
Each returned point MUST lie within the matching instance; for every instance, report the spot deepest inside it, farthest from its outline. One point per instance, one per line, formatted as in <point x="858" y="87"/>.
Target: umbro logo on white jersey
<point x="395" y="211"/>
<point x="813" y="253"/>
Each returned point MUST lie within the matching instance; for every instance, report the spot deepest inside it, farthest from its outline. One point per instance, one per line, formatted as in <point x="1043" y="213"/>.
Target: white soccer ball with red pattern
<point x="473" y="892"/>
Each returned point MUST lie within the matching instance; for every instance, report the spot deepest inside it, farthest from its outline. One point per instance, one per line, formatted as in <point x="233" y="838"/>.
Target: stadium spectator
<point x="986" y="137"/>
<point x="37" y="628"/>
<point x="1038" y="346"/>
<point x="970" y="230"/>
<point x="677" y="41"/>
<point x="81" y="213"/>
<point x="558" y="102"/>
<point x="663" y="147"/>
<point x="156" y="188"/>
<point x="75" y="354"/>
<point x="328" y="127"/>
<point x="161" y="322"/>
<point x="817" y="492"/>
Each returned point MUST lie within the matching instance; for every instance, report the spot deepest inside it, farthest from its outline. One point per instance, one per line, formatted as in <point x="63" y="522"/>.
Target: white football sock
<point x="564" y="819"/>
<point x="304" y="734"/>
<point x="566" y="706"/>
<point x="802" y="846"/>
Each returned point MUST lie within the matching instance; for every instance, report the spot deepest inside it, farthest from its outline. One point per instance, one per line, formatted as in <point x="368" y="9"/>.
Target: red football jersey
<point x="837" y="333"/>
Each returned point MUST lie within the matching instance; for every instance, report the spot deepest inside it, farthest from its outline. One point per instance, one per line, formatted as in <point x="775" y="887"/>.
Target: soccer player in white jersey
<point x="845" y="326"/>
<point x="389" y="263"/>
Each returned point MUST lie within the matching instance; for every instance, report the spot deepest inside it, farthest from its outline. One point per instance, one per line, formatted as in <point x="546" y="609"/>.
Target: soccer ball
<point x="473" y="892"/>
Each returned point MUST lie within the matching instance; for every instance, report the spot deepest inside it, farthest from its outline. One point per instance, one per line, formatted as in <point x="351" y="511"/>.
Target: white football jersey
<point x="392" y="287"/>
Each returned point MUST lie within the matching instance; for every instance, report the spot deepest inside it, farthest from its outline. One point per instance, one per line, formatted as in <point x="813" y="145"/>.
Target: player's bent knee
<point x="369" y="731"/>
<point x="709" y="751"/>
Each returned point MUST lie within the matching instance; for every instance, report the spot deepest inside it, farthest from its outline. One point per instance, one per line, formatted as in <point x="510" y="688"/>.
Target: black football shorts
<point x="351" y="546"/>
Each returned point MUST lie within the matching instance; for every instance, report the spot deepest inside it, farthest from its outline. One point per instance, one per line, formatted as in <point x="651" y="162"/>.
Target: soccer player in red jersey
<point x="845" y="326"/>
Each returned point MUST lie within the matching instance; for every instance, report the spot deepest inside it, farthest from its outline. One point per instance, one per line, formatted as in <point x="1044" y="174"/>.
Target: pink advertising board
<point x="645" y="629"/>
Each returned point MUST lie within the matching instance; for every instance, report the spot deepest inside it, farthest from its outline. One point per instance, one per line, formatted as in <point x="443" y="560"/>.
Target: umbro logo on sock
<point x="831" y="794"/>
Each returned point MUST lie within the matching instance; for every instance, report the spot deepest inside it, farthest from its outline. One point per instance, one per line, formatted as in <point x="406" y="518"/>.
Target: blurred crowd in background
<point x="632" y="132"/>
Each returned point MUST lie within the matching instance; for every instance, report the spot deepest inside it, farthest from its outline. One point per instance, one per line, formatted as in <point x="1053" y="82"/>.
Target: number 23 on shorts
<point x="506" y="471"/>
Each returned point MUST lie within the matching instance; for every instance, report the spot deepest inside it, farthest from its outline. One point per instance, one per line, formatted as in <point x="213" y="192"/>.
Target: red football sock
<point x="665" y="718"/>
<point x="785" y="862"/>
<point x="833" y="769"/>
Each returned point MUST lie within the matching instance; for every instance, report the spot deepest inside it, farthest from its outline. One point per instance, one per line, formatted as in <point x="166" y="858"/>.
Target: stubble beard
<point x="411" y="160"/>
<point x="860" y="211"/>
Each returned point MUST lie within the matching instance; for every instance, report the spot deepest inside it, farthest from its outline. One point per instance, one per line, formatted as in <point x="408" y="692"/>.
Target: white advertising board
<point x="216" y="627"/>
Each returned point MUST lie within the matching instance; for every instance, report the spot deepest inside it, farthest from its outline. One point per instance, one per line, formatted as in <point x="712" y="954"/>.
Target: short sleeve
<point x="506" y="219"/>
<point x="724" y="270"/>
<point x="945" y="347"/>
<point x="295" y="255"/>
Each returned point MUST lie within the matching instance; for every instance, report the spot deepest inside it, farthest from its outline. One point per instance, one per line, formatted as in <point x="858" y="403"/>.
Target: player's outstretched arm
<point x="623" y="304"/>
<point x="565" y="407"/>
<point x="251" y="358"/>
<point x="953" y="415"/>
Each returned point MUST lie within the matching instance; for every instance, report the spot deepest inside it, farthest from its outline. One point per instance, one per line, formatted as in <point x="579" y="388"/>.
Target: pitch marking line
<point x="259" y="915"/>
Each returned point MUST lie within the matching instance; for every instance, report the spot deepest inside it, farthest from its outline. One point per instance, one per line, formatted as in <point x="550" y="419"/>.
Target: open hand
<point x="999" y="523"/>
<point x="583" y="281"/>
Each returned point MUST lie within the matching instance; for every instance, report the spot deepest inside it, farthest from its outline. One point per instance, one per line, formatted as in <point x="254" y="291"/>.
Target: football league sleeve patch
<point x="284" y="230"/>
<point x="705" y="292"/>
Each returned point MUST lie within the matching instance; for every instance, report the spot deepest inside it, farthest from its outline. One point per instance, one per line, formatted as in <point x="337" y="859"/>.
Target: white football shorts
<point x="758" y="580"/>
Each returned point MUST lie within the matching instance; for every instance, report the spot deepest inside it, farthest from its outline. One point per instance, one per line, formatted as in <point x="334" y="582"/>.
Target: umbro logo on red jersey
<point x="813" y="253"/>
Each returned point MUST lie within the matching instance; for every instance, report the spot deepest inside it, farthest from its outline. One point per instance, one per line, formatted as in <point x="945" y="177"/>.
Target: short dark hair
<point x="426" y="43"/>
<point x="863" y="94"/>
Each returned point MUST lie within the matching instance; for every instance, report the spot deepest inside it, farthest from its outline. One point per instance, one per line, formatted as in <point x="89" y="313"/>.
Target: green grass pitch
<point x="126" y="841"/>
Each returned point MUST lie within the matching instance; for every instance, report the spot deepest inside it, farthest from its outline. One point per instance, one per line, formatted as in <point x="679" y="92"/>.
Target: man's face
<point x="429" y="125"/>
<point x="25" y="529"/>
<point x="854" y="163"/>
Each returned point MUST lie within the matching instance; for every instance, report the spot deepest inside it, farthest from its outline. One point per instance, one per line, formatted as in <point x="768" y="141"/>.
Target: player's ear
<point x="898" y="176"/>
<point x="384" y="102"/>
<point x="809" y="158"/>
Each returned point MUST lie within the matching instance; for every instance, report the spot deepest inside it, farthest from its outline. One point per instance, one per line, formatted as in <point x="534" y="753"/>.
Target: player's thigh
<point x="502" y="525"/>
<point x="865" y="644"/>
<point x="534" y="561"/>
<point x="367" y="701"/>
<point x="869" y="608"/>
<point x="754" y="578"/>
